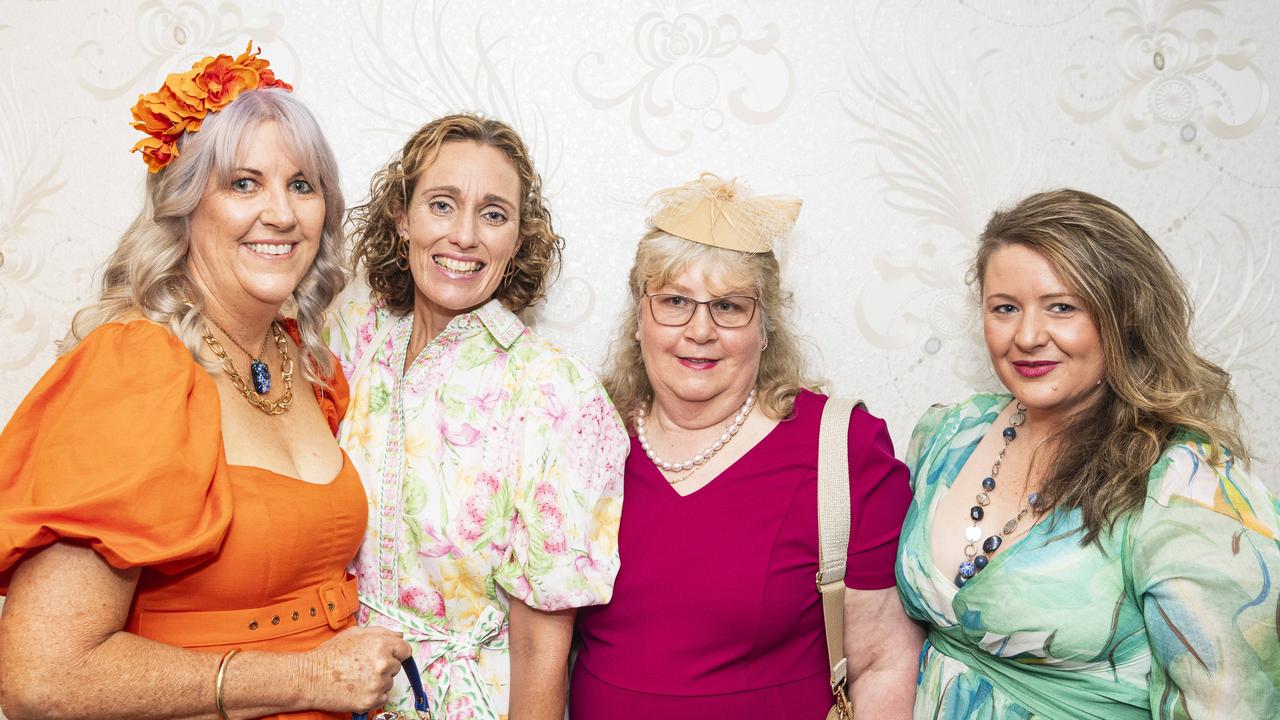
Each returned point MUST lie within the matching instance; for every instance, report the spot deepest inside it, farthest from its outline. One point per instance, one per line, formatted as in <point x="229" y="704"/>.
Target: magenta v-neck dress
<point x="714" y="612"/>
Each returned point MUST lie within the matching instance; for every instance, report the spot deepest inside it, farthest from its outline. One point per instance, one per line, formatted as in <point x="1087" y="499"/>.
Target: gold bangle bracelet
<point x="217" y="684"/>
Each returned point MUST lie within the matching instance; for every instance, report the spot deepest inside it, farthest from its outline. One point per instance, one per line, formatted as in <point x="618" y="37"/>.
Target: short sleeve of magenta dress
<point x="715" y="613"/>
<point x="119" y="447"/>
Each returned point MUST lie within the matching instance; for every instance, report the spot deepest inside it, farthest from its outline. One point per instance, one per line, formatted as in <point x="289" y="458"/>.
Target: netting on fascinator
<point x="724" y="214"/>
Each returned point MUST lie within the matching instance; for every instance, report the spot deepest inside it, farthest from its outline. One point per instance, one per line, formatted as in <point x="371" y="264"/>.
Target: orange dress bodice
<point x="119" y="447"/>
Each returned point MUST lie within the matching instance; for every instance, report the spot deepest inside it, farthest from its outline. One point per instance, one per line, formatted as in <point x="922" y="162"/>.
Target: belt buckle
<point x="333" y="602"/>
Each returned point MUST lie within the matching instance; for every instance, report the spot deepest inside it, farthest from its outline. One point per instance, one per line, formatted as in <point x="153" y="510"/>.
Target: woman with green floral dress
<point x="1089" y="544"/>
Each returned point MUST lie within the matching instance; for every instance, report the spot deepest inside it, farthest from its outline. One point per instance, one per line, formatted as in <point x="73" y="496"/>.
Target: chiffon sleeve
<point x="118" y="447"/>
<point x="1204" y="561"/>
<point x="567" y="494"/>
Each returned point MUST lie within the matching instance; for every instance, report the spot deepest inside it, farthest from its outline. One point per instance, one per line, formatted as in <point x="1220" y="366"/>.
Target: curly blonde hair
<point x="148" y="270"/>
<point x="1156" y="386"/>
<point x="660" y="257"/>
<point x="374" y="223"/>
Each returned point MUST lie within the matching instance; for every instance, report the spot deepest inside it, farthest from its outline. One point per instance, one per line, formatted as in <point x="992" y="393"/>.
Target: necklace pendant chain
<point x="258" y="370"/>
<point x="259" y="373"/>
<point x="701" y="458"/>
<point x="976" y="560"/>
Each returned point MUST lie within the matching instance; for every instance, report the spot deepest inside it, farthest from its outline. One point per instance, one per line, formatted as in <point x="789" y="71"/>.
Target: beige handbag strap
<point x="833" y="528"/>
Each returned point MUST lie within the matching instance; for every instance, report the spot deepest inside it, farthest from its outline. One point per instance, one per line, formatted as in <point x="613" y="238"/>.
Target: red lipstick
<point x="1034" y="368"/>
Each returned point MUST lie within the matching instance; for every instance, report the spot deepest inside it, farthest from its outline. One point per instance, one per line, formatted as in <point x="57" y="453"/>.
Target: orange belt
<point x="329" y="603"/>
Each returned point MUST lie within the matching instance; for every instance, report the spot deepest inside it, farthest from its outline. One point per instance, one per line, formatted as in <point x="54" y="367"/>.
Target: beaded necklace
<point x="699" y="459"/>
<point x="975" y="561"/>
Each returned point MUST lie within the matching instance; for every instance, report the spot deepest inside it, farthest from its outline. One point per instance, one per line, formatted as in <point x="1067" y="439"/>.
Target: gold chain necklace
<point x="255" y="395"/>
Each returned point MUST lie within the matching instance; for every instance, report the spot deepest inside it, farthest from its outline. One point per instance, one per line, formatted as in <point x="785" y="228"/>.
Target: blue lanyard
<point x="419" y="694"/>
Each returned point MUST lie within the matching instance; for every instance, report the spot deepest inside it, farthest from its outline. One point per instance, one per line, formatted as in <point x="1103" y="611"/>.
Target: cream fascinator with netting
<point x="724" y="214"/>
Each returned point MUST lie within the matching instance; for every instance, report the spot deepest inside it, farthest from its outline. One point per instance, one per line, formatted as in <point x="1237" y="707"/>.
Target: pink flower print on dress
<point x="439" y="546"/>
<point x="488" y="481"/>
<point x="551" y="407"/>
<point x="461" y="436"/>
<point x="523" y="590"/>
<point x="587" y="561"/>
<point x="592" y="442"/>
<point x="427" y="602"/>
<point x="556" y="543"/>
<point x="485" y="402"/>
<point x="364" y="335"/>
<point x="460" y="708"/>
<point x="476" y="508"/>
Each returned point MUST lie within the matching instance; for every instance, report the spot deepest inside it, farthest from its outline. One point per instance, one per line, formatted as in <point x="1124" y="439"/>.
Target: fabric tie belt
<point x="449" y="659"/>
<point x="329" y="603"/>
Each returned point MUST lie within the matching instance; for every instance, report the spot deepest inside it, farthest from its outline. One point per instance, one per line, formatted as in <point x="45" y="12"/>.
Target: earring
<point x="764" y="344"/>
<point x="402" y="254"/>
<point x="509" y="271"/>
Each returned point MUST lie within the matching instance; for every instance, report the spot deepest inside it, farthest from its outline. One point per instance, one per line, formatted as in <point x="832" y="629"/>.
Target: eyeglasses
<point x="731" y="311"/>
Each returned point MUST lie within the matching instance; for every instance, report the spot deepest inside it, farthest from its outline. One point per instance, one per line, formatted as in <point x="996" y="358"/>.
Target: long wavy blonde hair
<point x="378" y="248"/>
<point x="661" y="257"/>
<point x="148" y="270"/>
<point x="1156" y="386"/>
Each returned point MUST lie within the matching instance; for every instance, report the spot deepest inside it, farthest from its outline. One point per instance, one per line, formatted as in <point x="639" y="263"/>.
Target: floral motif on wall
<point x="1164" y="80"/>
<point x="945" y="156"/>
<point x="695" y="75"/>
<point x="419" y="67"/>
<point x="29" y="178"/>
<point x="169" y="35"/>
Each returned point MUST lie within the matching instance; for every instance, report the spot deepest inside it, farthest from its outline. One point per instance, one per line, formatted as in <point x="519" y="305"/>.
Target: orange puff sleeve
<point x="118" y="447"/>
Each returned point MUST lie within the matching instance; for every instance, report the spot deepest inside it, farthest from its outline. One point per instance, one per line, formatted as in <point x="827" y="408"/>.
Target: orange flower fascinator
<point x="724" y="214"/>
<point x="186" y="98"/>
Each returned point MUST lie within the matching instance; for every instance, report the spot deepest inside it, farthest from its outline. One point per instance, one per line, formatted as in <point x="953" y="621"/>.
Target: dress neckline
<point x="259" y="470"/>
<point x="992" y="568"/>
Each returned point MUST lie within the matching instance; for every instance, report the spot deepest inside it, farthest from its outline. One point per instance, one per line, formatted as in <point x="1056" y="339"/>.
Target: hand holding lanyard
<point x="420" y="703"/>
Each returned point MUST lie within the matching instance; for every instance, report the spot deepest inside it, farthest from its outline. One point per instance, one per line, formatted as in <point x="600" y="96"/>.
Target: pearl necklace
<point x="705" y="455"/>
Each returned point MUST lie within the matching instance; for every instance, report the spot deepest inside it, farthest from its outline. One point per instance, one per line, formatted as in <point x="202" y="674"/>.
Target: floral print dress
<point x="1173" y="617"/>
<point x="493" y="469"/>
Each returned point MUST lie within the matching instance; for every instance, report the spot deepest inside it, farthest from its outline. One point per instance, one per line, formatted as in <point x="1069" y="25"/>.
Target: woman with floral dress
<point x="1088" y="544"/>
<point x="492" y="460"/>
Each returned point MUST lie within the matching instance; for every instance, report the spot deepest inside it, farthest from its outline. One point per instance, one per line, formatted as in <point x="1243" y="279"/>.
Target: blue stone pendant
<point x="261" y="377"/>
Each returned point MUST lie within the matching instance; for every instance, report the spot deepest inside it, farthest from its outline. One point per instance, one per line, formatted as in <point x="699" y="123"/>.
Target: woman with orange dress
<point x="175" y="515"/>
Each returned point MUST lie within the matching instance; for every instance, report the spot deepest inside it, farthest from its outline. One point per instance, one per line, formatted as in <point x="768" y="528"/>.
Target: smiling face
<point x="699" y="361"/>
<point x="1044" y="346"/>
<point x="255" y="234"/>
<point x="463" y="228"/>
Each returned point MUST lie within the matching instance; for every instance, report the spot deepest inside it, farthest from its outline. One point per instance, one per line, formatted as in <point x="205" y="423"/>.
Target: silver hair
<point x="148" y="271"/>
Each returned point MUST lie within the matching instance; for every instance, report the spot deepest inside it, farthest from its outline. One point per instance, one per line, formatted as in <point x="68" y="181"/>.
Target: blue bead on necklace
<point x="258" y="370"/>
<point x="974" y="560"/>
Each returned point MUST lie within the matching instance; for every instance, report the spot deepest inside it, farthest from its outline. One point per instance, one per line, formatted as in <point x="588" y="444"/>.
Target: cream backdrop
<point x="901" y="124"/>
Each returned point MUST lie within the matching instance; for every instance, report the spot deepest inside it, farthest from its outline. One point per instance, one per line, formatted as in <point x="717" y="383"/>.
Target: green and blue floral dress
<point x="1174" y="616"/>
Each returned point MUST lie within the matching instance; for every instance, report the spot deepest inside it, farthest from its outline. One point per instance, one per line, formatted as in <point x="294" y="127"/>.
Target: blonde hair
<point x="374" y="223"/>
<point x="660" y="258"/>
<point x="148" y="270"/>
<point x="1156" y="386"/>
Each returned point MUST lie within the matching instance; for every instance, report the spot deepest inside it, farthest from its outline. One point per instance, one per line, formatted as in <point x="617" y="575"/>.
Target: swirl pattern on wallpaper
<point x="696" y="73"/>
<point x="169" y="35"/>
<point x="29" y="180"/>
<point x="945" y="156"/>
<point x="448" y="71"/>
<point x="1164" y="79"/>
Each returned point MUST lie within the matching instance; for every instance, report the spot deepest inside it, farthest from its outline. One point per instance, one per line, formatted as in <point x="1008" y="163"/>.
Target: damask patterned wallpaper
<point x="901" y="124"/>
